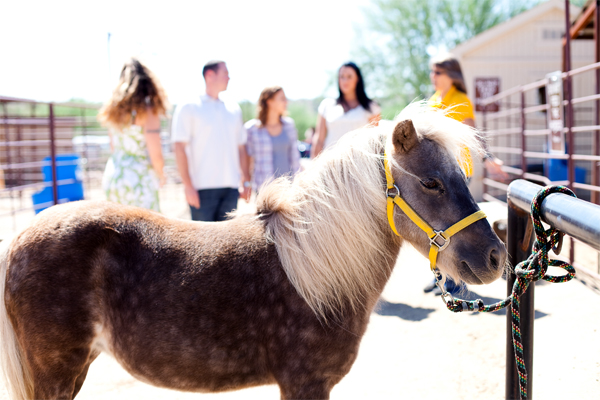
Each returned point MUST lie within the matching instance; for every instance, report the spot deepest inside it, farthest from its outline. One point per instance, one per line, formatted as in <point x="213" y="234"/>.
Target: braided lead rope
<point x="530" y="270"/>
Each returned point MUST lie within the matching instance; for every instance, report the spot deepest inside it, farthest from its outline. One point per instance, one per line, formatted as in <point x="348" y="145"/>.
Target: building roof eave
<point x="507" y="26"/>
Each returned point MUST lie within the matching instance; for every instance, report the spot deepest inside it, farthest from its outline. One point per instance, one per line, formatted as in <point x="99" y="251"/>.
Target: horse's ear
<point x="404" y="136"/>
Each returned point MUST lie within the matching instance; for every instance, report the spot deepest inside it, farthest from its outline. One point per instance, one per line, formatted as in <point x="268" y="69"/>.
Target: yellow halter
<point x="439" y="240"/>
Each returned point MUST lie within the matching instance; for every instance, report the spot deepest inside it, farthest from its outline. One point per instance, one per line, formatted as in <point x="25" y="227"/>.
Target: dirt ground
<point x="415" y="348"/>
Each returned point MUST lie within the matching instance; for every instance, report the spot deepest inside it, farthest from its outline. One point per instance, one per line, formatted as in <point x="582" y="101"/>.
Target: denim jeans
<point x="215" y="204"/>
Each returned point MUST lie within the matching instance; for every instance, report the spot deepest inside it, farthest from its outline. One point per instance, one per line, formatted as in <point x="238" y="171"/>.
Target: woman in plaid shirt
<point x="272" y="139"/>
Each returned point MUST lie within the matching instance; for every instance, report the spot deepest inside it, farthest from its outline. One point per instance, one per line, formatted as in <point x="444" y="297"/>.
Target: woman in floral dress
<point x="134" y="171"/>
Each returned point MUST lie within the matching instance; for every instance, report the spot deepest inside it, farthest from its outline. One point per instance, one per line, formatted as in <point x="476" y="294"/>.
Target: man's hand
<point x="191" y="196"/>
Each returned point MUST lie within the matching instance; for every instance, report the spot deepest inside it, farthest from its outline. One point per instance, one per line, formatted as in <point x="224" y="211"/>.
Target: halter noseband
<point x="439" y="240"/>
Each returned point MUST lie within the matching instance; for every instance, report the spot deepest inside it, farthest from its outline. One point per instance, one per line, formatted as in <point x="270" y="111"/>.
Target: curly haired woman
<point x="134" y="171"/>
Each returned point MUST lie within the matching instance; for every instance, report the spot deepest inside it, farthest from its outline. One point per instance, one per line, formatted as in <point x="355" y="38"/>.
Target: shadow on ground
<point x="404" y="311"/>
<point x="590" y="281"/>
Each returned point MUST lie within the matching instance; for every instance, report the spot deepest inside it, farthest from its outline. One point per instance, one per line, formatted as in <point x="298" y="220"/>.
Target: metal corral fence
<point x="525" y="127"/>
<point x="39" y="139"/>
<point x="519" y="135"/>
<point x="577" y="218"/>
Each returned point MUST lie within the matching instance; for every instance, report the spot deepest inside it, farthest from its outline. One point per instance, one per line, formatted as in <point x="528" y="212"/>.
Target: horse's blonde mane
<point x="434" y="124"/>
<point x="329" y="224"/>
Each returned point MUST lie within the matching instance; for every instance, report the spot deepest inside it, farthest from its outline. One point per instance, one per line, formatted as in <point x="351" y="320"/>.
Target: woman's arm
<point x="469" y="121"/>
<point x="319" y="137"/>
<point x="245" y="191"/>
<point x="152" y="136"/>
<point x="375" y="114"/>
<point x="492" y="164"/>
<point x="294" y="155"/>
<point x="250" y="149"/>
<point x="110" y="142"/>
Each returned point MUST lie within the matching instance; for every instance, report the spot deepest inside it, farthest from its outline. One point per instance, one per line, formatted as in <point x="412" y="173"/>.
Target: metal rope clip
<point x="439" y="235"/>
<point x="438" y="275"/>
<point x="449" y="295"/>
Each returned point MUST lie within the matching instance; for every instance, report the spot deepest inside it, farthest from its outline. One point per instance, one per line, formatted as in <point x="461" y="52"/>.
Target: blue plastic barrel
<point x="67" y="167"/>
<point x="557" y="170"/>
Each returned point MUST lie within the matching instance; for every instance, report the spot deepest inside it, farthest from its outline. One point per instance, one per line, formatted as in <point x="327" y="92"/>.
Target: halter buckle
<point x="434" y="240"/>
<point x="387" y="191"/>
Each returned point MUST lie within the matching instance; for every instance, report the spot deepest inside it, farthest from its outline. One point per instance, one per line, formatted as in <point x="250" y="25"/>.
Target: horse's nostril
<point x="494" y="258"/>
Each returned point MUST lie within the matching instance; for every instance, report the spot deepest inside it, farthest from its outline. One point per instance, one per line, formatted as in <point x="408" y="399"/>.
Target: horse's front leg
<point x="305" y="389"/>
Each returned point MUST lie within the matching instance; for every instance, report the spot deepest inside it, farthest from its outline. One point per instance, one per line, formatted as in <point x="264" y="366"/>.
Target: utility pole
<point x="108" y="49"/>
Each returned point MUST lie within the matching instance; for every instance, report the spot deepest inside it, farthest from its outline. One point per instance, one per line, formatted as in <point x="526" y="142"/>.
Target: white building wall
<point x="520" y="56"/>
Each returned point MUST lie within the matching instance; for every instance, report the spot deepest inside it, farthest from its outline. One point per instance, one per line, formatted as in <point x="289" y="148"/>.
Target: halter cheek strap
<point x="439" y="240"/>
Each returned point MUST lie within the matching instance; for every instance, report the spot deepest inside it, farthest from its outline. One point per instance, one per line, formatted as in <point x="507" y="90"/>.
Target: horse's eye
<point x="430" y="183"/>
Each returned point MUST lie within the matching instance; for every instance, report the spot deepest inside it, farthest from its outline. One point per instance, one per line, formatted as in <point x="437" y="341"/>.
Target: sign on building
<point x="554" y="99"/>
<point x="484" y="88"/>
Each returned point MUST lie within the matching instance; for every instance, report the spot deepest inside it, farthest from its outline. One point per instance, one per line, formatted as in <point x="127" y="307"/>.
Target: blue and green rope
<point x="530" y="270"/>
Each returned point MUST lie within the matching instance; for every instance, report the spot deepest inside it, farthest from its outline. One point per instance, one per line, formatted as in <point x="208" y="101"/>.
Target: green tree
<point x="304" y="114"/>
<point x="248" y="110"/>
<point x="400" y="36"/>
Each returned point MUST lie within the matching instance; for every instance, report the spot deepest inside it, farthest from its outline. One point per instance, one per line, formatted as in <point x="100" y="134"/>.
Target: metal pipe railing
<point x="577" y="218"/>
<point x="572" y="216"/>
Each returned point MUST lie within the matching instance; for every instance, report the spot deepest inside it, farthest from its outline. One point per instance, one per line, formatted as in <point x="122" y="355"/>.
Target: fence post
<point x="519" y="241"/>
<point x="86" y="155"/>
<point x="595" y="172"/>
<point x="53" y="155"/>
<point x="485" y="132"/>
<point x="569" y="116"/>
<point x="523" y="138"/>
<point x="569" y="96"/>
<point x="8" y="172"/>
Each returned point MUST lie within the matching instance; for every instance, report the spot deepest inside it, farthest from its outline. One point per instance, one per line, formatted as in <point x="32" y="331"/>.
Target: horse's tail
<point x="15" y="374"/>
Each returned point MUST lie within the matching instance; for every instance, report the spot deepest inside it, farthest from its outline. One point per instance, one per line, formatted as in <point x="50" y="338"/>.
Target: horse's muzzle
<point x="484" y="267"/>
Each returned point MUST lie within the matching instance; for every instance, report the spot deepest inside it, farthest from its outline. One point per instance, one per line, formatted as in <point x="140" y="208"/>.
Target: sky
<point x="59" y="50"/>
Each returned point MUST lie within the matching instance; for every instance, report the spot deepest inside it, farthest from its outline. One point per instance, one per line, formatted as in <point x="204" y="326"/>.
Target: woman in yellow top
<point x="451" y="92"/>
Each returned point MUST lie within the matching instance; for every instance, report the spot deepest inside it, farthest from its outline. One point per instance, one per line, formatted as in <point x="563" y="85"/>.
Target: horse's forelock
<point x="435" y="124"/>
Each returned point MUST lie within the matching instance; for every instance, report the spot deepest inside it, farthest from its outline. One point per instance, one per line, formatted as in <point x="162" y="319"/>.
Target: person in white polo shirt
<point x="210" y="149"/>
